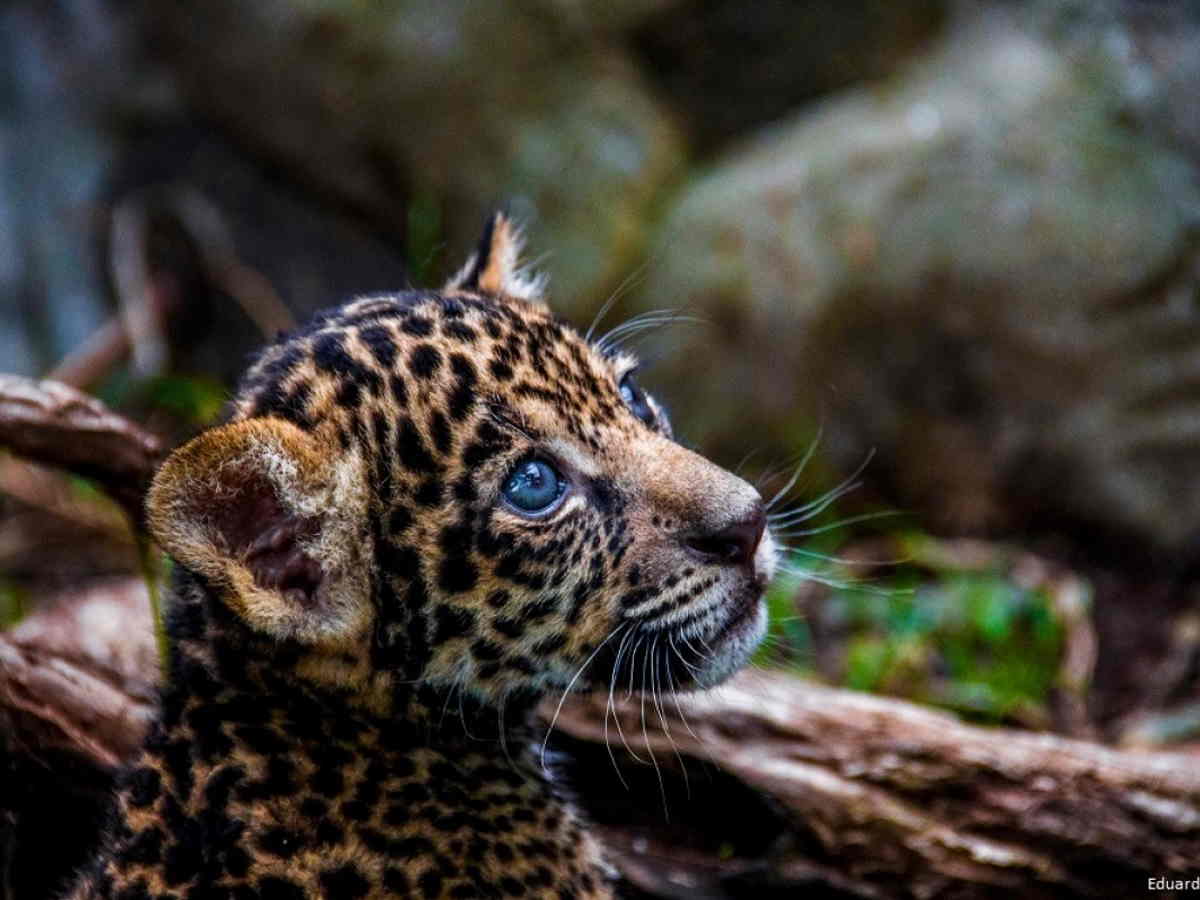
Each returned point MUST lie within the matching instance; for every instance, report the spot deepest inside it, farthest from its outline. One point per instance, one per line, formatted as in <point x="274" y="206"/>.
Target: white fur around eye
<point x="573" y="504"/>
<point x="574" y="458"/>
<point x="622" y="365"/>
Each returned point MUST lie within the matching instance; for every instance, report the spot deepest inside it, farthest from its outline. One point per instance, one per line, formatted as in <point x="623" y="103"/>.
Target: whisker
<point x="633" y="667"/>
<point x="688" y="665"/>
<point x="662" y="787"/>
<point x="616" y="336"/>
<point x="446" y="705"/>
<point x="660" y="323"/>
<point x="650" y="326"/>
<point x="503" y="732"/>
<point x="749" y="455"/>
<point x="706" y="653"/>
<point x="829" y="581"/>
<point x="571" y="684"/>
<point x="462" y="716"/>
<point x="642" y="316"/>
<point x="657" y="694"/>
<point x="842" y="523"/>
<point x="804" y="460"/>
<point x="652" y="656"/>
<point x="842" y="584"/>
<point x="820" y="504"/>
<point x="699" y="654"/>
<point x="608" y="710"/>
<point x="616" y="295"/>
<point x="611" y="684"/>
<point x="814" y="508"/>
<point x="675" y="693"/>
<point x="623" y="333"/>
<point x="774" y="469"/>
<point x="844" y="560"/>
<point x="774" y="641"/>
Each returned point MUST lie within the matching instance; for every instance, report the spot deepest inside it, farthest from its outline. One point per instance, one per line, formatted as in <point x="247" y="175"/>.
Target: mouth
<point x="691" y="646"/>
<point x="734" y="641"/>
<point x="686" y="656"/>
<point x="745" y="615"/>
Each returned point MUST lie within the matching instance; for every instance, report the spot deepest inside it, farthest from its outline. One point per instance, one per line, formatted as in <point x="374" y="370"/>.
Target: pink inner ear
<point x="258" y="530"/>
<point x="277" y="561"/>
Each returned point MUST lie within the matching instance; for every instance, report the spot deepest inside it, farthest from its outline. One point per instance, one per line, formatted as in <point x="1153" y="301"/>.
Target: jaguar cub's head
<point x="457" y="488"/>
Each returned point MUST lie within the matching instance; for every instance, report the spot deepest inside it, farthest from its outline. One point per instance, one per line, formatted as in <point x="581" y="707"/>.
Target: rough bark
<point x="901" y="801"/>
<point x="76" y="694"/>
<point x="51" y="423"/>
<point x="871" y="797"/>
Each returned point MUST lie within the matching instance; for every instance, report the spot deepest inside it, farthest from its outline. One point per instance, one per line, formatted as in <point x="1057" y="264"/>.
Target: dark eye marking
<point x="604" y="495"/>
<point x="635" y="399"/>
<point x="534" y="487"/>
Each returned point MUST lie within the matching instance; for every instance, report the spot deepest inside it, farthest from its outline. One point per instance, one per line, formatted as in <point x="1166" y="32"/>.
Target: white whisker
<point x="616" y="295"/>
<point x="618" y="335"/>
<point x="611" y="683"/>
<point x="687" y="786"/>
<point x="814" y="508"/>
<point x="843" y="560"/>
<point x="842" y="584"/>
<point x="608" y="710"/>
<point x="662" y="787"/>
<point x="571" y="684"/>
<point x="804" y="461"/>
<point x="675" y="693"/>
<point x="503" y="732"/>
<point x="840" y="523"/>
<point x="820" y="504"/>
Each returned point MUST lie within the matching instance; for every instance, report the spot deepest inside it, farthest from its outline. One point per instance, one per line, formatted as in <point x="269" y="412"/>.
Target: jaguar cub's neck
<point x="216" y="655"/>
<point x="333" y="798"/>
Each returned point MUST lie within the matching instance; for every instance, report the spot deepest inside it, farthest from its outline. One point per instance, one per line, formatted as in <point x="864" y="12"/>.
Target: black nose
<point x="733" y="544"/>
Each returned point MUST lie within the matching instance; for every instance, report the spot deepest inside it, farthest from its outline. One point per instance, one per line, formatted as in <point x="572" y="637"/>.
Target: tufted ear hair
<point x="274" y="524"/>
<point x="495" y="266"/>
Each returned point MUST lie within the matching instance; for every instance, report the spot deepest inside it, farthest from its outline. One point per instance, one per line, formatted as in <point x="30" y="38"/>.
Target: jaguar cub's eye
<point x="635" y="399"/>
<point x="534" y="486"/>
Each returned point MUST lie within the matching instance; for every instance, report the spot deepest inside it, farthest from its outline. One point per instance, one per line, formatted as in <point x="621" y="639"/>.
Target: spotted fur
<point x="361" y="625"/>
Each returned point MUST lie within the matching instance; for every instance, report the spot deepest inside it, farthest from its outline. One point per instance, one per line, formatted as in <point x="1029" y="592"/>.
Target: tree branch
<point x="908" y="802"/>
<point x="51" y="423"/>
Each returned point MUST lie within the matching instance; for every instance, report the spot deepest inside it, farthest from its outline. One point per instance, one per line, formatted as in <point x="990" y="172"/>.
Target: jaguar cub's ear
<point x="495" y="266"/>
<point x="274" y="524"/>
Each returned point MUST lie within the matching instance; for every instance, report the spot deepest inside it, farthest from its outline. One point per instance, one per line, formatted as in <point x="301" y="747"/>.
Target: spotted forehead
<point x="444" y="355"/>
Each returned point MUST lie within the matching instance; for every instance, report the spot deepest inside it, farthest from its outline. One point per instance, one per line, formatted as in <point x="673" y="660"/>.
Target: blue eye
<point x="635" y="399"/>
<point x="534" y="486"/>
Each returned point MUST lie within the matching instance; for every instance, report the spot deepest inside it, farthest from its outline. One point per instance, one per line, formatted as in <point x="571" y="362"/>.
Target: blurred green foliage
<point x="85" y="490"/>
<point x="969" y="639"/>
<point x="426" y="237"/>
<point x="13" y="604"/>
<point x="192" y="400"/>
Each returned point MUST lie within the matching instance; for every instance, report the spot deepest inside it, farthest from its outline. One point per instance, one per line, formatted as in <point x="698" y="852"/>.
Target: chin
<point x="733" y="648"/>
<point x="697" y="645"/>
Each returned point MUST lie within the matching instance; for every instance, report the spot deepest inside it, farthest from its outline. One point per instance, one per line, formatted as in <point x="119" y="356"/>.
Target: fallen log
<point x="77" y="691"/>
<point x="879" y="798"/>
<point x="902" y="801"/>
<point x="80" y="675"/>
<point x="49" y="422"/>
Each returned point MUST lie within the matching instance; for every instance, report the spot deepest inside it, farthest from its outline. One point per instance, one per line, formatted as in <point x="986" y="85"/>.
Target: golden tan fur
<point x="363" y="621"/>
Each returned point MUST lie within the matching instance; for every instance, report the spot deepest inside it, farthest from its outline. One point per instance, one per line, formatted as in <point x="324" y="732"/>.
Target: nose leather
<point x="732" y="544"/>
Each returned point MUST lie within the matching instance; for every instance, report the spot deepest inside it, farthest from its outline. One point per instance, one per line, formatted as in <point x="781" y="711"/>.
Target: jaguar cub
<point x="428" y="511"/>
